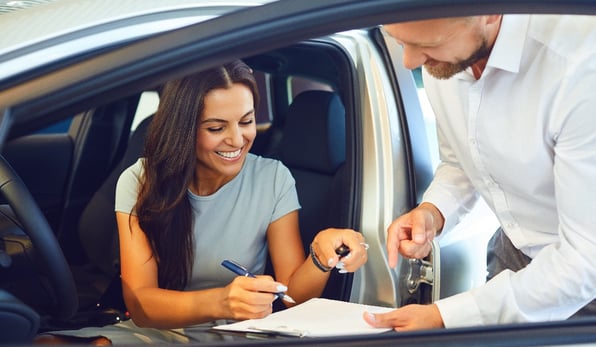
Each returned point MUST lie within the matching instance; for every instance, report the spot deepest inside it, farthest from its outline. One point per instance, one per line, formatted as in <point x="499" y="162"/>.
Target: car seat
<point x="313" y="147"/>
<point x="98" y="281"/>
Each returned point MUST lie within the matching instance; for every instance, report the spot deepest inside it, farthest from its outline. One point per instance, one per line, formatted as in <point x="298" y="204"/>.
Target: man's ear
<point x="493" y="18"/>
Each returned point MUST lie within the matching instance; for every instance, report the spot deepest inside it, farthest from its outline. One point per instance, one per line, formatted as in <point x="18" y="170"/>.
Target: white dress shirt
<point x="523" y="137"/>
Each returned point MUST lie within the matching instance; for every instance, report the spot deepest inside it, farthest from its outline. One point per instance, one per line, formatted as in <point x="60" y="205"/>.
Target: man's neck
<point x="478" y="67"/>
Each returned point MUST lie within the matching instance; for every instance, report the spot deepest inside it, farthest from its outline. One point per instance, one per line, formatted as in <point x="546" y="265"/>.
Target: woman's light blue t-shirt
<point x="231" y="223"/>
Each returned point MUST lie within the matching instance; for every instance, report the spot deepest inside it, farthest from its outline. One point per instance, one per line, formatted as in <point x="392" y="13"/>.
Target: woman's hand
<point x="327" y="241"/>
<point x="249" y="298"/>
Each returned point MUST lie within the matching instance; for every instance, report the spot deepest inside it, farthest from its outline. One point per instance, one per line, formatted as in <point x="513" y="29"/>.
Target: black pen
<point x="242" y="271"/>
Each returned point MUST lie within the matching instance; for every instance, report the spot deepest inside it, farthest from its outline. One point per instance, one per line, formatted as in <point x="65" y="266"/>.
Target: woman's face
<point x="226" y="132"/>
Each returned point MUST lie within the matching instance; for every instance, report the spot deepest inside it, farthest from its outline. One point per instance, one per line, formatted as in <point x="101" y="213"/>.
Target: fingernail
<point x="330" y="262"/>
<point x="371" y="317"/>
<point x="282" y="288"/>
<point x="419" y="238"/>
<point x="340" y="265"/>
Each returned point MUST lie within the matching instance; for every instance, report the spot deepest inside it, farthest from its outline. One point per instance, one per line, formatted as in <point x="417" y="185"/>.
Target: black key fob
<point x="342" y="251"/>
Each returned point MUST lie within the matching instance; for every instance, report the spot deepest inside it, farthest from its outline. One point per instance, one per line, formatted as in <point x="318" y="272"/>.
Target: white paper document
<point x="315" y="318"/>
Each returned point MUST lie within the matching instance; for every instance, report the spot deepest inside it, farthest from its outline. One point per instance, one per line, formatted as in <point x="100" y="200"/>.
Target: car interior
<point x="70" y="166"/>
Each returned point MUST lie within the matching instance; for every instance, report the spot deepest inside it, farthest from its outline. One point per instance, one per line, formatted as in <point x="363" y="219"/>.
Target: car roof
<point x="51" y="18"/>
<point x="51" y="31"/>
<point x="7" y="6"/>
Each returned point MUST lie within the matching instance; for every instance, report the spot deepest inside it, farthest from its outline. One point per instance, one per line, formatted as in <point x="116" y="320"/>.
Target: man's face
<point x="444" y="47"/>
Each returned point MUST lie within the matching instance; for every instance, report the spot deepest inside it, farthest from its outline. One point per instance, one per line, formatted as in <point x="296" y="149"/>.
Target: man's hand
<point x="411" y="234"/>
<point x="409" y="317"/>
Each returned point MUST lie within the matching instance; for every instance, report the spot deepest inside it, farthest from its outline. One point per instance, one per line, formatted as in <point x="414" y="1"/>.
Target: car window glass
<point x="147" y="106"/>
<point x="264" y="114"/>
<point x="60" y="127"/>
<point x="149" y="102"/>
<point x="429" y="118"/>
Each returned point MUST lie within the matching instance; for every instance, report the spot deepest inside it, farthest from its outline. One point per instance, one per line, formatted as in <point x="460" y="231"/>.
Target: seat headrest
<point x="314" y="136"/>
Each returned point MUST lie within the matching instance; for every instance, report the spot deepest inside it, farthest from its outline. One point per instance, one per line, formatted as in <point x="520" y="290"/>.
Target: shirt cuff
<point x="459" y="310"/>
<point x="446" y="205"/>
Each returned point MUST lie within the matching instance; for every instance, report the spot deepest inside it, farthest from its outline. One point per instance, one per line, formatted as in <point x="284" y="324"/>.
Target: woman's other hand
<point x="327" y="241"/>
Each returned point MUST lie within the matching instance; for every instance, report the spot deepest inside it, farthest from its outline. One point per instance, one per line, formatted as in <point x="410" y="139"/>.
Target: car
<point x="78" y="88"/>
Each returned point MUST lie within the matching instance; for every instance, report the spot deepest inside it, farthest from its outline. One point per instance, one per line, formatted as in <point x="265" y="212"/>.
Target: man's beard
<point x="444" y="70"/>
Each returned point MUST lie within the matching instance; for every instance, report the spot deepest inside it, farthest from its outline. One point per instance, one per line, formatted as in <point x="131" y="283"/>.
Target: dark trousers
<point x="502" y="254"/>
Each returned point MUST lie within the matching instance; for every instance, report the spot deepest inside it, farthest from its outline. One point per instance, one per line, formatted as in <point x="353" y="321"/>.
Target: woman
<point x="198" y="197"/>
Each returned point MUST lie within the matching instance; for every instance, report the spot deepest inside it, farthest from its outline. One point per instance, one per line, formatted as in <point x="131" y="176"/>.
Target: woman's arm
<point x="292" y="267"/>
<point x="303" y="279"/>
<point x="151" y="306"/>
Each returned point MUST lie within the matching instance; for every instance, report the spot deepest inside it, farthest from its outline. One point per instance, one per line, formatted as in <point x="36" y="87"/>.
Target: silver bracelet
<point x="316" y="261"/>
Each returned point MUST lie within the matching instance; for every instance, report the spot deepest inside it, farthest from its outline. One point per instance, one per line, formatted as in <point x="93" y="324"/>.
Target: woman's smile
<point x="233" y="155"/>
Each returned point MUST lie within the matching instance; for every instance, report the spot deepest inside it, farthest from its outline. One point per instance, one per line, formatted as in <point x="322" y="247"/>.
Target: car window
<point x="429" y="118"/>
<point x="60" y="127"/>
<point x="147" y="106"/>
<point x="149" y="102"/>
<point x="264" y="114"/>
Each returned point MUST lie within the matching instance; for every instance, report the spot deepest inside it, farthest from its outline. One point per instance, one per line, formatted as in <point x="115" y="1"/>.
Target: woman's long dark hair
<point x="162" y="206"/>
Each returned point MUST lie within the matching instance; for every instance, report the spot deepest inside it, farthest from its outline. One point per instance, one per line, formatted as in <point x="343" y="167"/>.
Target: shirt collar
<point x="508" y="48"/>
<point x="507" y="51"/>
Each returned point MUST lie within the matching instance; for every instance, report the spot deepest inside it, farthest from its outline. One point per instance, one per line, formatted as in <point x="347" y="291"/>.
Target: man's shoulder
<point x="566" y="24"/>
<point x="564" y="34"/>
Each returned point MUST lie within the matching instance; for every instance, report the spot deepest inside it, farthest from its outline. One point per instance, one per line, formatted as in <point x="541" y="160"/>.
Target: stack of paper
<point x="316" y="317"/>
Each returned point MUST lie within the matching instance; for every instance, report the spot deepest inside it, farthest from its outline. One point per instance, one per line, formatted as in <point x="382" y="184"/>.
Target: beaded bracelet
<point x="316" y="261"/>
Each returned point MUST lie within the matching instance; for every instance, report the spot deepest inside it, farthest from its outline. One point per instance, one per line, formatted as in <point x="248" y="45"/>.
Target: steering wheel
<point x="47" y="250"/>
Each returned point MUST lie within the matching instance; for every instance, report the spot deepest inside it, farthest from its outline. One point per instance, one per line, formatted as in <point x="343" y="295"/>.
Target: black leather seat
<point x="313" y="147"/>
<point x="98" y="230"/>
<point x="99" y="137"/>
<point x="98" y="281"/>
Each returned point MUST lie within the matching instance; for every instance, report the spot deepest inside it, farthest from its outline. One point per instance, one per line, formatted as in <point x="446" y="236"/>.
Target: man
<point x="515" y="101"/>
